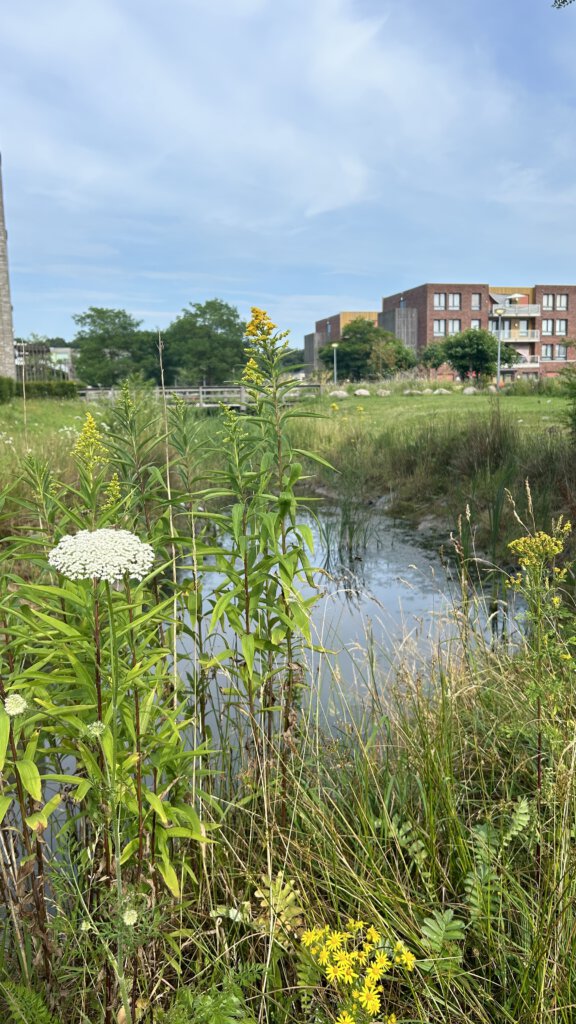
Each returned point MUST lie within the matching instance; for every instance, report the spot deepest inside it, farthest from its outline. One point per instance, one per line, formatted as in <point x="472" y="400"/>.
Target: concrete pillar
<point x="7" y="364"/>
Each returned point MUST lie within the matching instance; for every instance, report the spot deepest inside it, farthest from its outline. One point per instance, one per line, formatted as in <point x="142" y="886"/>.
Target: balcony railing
<point x="519" y="336"/>
<point x="514" y="309"/>
<point x="524" y="364"/>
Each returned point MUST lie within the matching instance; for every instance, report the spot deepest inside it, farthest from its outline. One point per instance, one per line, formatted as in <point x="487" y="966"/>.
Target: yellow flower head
<point x="260" y="325"/>
<point x="251" y="374"/>
<point x="89" y="448"/>
<point x="112" y="493"/>
<point x="335" y="940"/>
<point x="372" y="935"/>
<point x="369" y="999"/>
<point x="538" y="549"/>
<point x="345" y="1018"/>
<point x="310" y="936"/>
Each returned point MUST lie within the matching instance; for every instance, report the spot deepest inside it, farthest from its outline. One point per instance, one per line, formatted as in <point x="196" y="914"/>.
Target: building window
<point x="562" y="328"/>
<point x="454" y="326"/>
<point x="561" y="352"/>
<point x="439" y="300"/>
<point x="476" y="324"/>
<point x="547" y="327"/>
<point x="439" y="328"/>
<point x="523" y="328"/>
<point x="547" y="301"/>
<point x="546" y="351"/>
<point x="562" y="301"/>
<point x="328" y="329"/>
<point x="476" y="302"/>
<point x="454" y="300"/>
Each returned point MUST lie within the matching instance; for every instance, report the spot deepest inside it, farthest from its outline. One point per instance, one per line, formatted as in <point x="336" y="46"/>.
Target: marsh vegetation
<point x="408" y="857"/>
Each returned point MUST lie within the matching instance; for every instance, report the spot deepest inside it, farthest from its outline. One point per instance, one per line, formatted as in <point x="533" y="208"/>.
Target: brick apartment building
<point x="328" y="330"/>
<point x="539" y="321"/>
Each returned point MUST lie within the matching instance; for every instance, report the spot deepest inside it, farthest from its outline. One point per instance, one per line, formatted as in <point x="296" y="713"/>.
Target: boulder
<point x="470" y="391"/>
<point x="383" y="394"/>
<point x="338" y="394"/>
<point x="362" y="393"/>
<point x="442" y="391"/>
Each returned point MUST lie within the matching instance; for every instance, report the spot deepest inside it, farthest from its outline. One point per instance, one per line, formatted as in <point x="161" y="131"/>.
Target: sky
<point x="303" y="156"/>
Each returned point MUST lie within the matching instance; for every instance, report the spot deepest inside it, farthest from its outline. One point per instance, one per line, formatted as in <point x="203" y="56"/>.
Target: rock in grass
<point x="470" y="391"/>
<point x="362" y="393"/>
<point x="338" y="394"/>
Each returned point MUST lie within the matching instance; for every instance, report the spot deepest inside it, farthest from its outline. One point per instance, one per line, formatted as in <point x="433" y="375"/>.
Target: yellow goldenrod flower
<point x="89" y="448"/>
<point x="260" y="324"/>
<point x="112" y="493"/>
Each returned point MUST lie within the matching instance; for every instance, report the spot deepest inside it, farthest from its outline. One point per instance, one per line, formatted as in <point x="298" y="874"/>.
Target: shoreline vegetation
<point x="409" y="858"/>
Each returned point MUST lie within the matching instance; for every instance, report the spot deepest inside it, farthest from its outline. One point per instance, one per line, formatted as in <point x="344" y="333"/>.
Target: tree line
<point x="205" y="345"/>
<point x="365" y="350"/>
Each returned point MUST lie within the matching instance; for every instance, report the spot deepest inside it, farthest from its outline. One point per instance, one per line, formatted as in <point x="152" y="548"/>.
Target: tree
<point x="106" y="341"/>
<point x="205" y="344"/>
<point x="433" y="356"/>
<point x="389" y="356"/>
<point x="359" y="340"/>
<point x="561" y="3"/>
<point x="472" y="353"/>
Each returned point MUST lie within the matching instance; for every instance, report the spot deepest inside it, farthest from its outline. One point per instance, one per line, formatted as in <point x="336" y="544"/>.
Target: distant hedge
<point x="37" y="389"/>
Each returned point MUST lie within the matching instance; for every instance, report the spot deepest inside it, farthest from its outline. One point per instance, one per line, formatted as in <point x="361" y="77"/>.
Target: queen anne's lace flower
<point x="102" y="554"/>
<point x="15" y="705"/>
<point x="130" y="917"/>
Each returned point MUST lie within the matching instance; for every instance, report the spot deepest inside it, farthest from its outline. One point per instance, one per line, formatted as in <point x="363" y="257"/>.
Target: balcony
<point x="516" y="310"/>
<point x="517" y="337"/>
<point x="525" y="364"/>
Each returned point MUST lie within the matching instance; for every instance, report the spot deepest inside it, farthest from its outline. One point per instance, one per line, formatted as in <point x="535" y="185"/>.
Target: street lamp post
<point x="499" y="312"/>
<point x="334" y="349"/>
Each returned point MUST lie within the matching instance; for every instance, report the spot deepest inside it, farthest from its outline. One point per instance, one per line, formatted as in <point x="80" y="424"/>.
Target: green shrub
<point x="6" y="389"/>
<point x="46" y="389"/>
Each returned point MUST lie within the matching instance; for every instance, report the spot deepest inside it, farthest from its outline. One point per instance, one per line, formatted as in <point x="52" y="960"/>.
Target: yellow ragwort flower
<point x="368" y="998"/>
<point x="372" y="935"/>
<point x="345" y="1018"/>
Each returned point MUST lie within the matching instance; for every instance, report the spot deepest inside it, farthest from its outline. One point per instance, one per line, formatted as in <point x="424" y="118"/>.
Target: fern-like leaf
<point x="24" y="1005"/>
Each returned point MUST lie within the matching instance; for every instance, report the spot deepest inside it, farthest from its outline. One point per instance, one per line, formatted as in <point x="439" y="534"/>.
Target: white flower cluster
<point x="102" y="554"/>
<point x="96" y="729"/>
<point x="130" y="917"/>
<point x="15" y="705"/>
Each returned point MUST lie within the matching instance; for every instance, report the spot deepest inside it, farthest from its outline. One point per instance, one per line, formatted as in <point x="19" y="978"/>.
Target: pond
<point x="388" y="599"/>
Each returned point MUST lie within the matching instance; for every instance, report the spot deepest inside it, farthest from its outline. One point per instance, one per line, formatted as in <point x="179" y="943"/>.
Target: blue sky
<point x="305" y="156"/>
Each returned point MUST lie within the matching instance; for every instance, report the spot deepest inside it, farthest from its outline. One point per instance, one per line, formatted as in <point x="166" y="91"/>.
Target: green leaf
<point x="5" y="802"/>
<point x="156" y="805"/>
<point x="39" y="820"/>
<point x="30" y="778"/>
<point x="4" y="736"/>
<point x="169" y="875"/>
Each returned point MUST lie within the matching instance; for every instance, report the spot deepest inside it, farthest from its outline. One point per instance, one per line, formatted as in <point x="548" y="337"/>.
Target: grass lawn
<point x="410" y="410"/>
